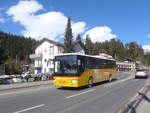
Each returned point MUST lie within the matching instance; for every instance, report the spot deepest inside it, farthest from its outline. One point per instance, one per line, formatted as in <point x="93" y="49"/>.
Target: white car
<point x="141" y="73"/>
<point x="17" y="79"/>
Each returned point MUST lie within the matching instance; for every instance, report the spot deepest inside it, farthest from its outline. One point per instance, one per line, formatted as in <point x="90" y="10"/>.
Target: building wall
<point x="48" y="50"/>
<point x="79" y="49"/>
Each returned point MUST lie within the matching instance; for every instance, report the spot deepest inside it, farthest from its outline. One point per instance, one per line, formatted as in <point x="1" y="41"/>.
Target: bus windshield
<point x="65" y="64"/>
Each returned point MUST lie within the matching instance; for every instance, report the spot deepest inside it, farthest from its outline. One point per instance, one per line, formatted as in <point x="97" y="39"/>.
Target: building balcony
<point x="36" y="56"/>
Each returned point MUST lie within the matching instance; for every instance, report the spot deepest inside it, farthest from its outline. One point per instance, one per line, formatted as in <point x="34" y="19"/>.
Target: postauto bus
<point x="76" y="70"/>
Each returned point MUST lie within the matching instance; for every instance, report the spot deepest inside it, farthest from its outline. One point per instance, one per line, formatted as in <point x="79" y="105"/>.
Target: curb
<point x="135" y="100"/>
<point x="50" y="83"/>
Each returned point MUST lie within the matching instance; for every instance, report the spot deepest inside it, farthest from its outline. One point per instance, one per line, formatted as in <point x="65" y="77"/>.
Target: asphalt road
<point x="102" y="98"/>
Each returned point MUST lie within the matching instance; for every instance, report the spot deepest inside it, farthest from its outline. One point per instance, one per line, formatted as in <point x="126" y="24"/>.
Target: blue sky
<point x="127" y="20"/>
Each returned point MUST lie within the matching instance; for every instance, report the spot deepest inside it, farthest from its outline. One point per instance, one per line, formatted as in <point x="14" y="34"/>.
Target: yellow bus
<point x="76" y="70"/>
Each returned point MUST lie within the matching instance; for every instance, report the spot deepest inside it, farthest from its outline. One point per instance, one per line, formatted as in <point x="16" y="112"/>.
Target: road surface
<point x="102" y="98"/>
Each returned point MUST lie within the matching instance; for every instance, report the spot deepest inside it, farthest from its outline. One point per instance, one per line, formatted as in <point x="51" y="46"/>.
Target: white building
<point x="45" y="52"/>
<point x="146" y="49"/>
<point x="126" y="66"/>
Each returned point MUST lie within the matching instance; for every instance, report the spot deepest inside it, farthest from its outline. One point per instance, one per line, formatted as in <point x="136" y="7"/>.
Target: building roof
<point x="58" y="43"/>
<point x="81" y="44"/>
<point x="50" y="41"/>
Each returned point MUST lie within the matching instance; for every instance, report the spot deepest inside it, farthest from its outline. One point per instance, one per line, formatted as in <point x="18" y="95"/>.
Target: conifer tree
<point x="1" y="52"/>
<point x="68" y="40"/>
<point x="88" y="45"/>
<point x="78" y="37"/>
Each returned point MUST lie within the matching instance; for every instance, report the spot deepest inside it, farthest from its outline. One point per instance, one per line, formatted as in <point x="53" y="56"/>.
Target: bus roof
<point x="97" y="56"/>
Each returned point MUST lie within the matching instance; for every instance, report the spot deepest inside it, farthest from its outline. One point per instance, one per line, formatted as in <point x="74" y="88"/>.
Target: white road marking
<point x="80" y="93"/>
<point x="77" y="105"/>
<point x="19" y="92"/>
<point x="11" y="93"/>
<point x="27" y="109"/>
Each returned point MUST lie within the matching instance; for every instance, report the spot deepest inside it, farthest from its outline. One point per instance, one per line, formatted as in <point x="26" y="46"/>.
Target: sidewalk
<point x="139" y="103"/>
<point x="25" y="85"/>
<point x="144" y="106"/>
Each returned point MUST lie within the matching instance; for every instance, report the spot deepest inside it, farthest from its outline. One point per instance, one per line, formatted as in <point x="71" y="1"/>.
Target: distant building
<point x="24" y="66"/>
<point x="45" y="52"/>
<point x="125" y="66"/>
<point x="146" y="49"/>
<point x="106" y="55"/>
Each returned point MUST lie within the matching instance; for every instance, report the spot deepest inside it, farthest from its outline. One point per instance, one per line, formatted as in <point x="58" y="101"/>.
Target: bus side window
<point x="80" y="65"/>
<point x="79" y="62"/>
<point x="104" y="64"/>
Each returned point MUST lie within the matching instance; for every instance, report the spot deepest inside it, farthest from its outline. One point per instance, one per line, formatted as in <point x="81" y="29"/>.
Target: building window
<point x="50" y="51"/>
<point x="53" y="51"/>
<point x="45" y="50"/>
<point x="58" y="51"/>
<point x="45" y="60"/>
<point x="51" y="62"/>
<point x="38" y="62"/>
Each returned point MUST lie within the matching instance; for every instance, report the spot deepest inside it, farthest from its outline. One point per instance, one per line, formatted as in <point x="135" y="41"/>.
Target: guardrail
<point x="133" y="103"/>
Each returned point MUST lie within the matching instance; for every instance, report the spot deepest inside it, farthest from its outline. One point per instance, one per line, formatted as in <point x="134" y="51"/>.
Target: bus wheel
<point x="90" y="82"/>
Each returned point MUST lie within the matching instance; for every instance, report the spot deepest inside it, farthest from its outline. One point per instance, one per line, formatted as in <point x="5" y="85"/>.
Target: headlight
<point x="73" y="81"/>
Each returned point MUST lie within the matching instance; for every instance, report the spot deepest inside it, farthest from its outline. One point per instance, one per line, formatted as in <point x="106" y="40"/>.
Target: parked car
<point x="6" y="79"/>
<point x="141" y="73"/>
<point x="17" y="79"/>
<point x="38" y="77"/>
<point x="27" y="76"/>
<point x="24" y="74"/>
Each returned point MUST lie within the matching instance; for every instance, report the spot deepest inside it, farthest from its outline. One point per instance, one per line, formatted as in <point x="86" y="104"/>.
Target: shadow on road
<point x="85" y="87"/>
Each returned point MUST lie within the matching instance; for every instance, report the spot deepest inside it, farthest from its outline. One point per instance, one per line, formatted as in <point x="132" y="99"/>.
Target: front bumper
<point x="65" y="82"/>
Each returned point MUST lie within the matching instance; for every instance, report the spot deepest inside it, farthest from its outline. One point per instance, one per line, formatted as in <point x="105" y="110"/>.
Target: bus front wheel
<point x="90" y="82"/>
